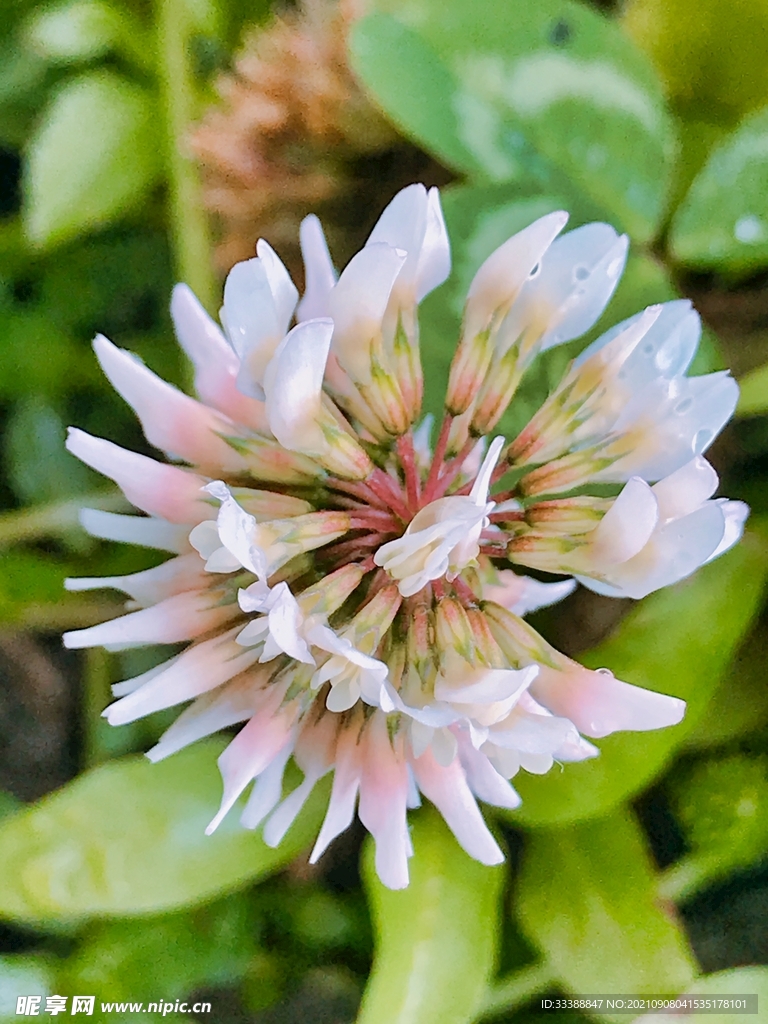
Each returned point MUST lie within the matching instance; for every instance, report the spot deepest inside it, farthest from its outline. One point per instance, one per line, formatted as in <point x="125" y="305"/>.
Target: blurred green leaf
<point x="739" y="705"/>
<point x="552" y="77"/>
<point x="95" y="154"/>
<point x="738" y="981"/>
<point x="711" y="55"/>
<point x="722" y="224"/>
<point x="723" y="808"/>
<point x="587" y="897"/>
<point x="436" y="941"/>
<point x="128" y="838"/>
<point x="174" y="954"/>
<point x="8" y="804"/>
<point x="39" y="467"/>
<point x="84" y="30"/>
<point x="29" y="580"/>
<point x="678" y="641"/>
<point x="753" y="399"/>
<point x="37" y="357"/>
<point x="22" y="975"/>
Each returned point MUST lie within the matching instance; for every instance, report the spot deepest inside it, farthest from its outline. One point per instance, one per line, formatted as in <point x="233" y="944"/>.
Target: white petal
<point x="479" y="492"/>
<point x="435" y="259"/>
<point x="236" y="530"/>
<point x="293" y="384"/>
<point x="383" y="800"/>
<point x="145" y="532"/>
<point x="448" y="790"/>
<point x="523" y="594"/>
<point x="484" y="781"/>
<point x="284" y="292"/>
<point x="285" y="622"/>
<point x="626" y="527"/>
<point x="599" y="704"/>
<point x="267" y="790"/>
<point x="500" y="278"/>
<point x="686" y="489"/>
<point x="319" y="275"/>
<point x="346" y="783"/>
<point x="735" y="514"/>
<point x="152" y="585"/>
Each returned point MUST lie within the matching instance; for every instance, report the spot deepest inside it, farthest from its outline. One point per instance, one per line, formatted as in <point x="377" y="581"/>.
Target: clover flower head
<point x="352" y="595"/>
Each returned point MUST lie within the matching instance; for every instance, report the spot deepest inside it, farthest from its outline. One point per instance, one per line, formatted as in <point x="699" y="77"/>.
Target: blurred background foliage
<point x="142" y="143"/>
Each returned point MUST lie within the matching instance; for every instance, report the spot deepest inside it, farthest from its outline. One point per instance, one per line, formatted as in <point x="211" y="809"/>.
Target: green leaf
<point x="174" y="954"/>
<point x="39" y="467"/>
<point x="8" y="804"/>
<point x="94" y="155"/>
<point x="36" y="356"/>
<point x="753" y="399"/>
<point x="436" y="940"/>
<point x="677" y="641"/>
<point x="710" y="55"/>
<point x="129" y="838"/>
<point x="22" y="975"/>
<point x="739" y="981"/>
<point x="530" y="91"/>
<point x="85" y="30"/>
<point x="587" y="897"/>
<point x="722" y="224"/>
<point x="723" y="807"/>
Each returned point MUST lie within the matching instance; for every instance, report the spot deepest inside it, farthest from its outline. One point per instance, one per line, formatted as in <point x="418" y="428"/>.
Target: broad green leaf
<point x="94" y="155"/>
<point x="677" y="641"/>
<point x="22" y="975"/>
<point x="753" y="399"/>
<point x="436" y="941"/>
<point x="710" y="55"/>
<point x="128" y="838"/>
<point x="723" y="808"/>
<point x="39" y="467"/>
<point x="29" y="580"/>
<point x="552" y="79"/>
<point x="84" y="30"/>
<point x="586" y="896"/>
<point x="722" y="224"/>
<point x="175" y="954"/>
<point x="735" y="982"/>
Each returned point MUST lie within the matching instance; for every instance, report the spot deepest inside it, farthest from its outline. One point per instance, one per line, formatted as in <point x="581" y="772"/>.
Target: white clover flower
<point x="348" y="592"/>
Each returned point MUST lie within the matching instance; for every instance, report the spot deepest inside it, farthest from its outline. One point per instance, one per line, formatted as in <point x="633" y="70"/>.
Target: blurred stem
<point x="517" y="989"/>
<point x="53" y="520"/>
<point x="96" y="695"/>
<point x="189" y="220"/>
<point x="694" y="872"/>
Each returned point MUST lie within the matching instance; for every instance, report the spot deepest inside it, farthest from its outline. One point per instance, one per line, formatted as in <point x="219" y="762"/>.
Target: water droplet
<point x="749" y="229"/>
<point x="682" y="407"/>
<point x="580" y="273"/>
<point x="648" y="348"/>
<point x="560" y="33"/>
<point x="605" y="672"/>
<point x="535" y="269"/>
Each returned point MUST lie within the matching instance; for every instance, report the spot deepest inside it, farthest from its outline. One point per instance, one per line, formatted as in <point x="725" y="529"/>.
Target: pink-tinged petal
<point x="145" y="532"/>
<point x="686" y="489"/>
<point x="179" y="425"/>
<point x="293" y="384"/>
<point x="160" y="490"/>
<point x="181" y="617"/>
<point x="523" y="594"/>
<point x="267" y="790"/>
<point x="201" y="668"/>
<point x="500" y="278"/>
<point x="129" y="685"/>
<point x="598" y="704"/>
<point x="448" y="790"/>
<point x="383" y="798"/>
<point x="346" y="784"/>
<point x="358" y="303"/>
<point x="228" y="705"/>
<point x="626" y="527"/>
<point x="319" y="274"/>
<point x="261" y="740"/>
<point x="216" y="365"/>
<point x="152" y="585"/>
<point x="484" y="781"/>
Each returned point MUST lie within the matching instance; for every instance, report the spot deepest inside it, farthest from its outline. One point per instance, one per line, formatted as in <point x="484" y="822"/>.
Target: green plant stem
<point x="517" y="989"/>
<point x="692" y="874"/>
<point x="96" y="696"/>
<point x="189" y="221"/>
<point x="55" y="519"/>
